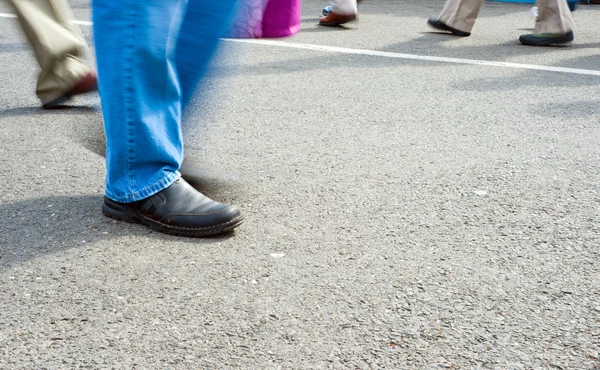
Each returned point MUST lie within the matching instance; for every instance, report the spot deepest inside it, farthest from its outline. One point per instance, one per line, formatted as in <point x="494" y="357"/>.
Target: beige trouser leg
<point x="554" y="16"/>
<point x="57" y="45"/>
<point x="461" y="14"/>
<point x="345" y="7"/>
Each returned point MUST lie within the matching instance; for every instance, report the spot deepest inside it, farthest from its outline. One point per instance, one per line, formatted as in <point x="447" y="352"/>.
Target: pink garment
<point x="266" y="18"/>
<point x="281" y="18"/>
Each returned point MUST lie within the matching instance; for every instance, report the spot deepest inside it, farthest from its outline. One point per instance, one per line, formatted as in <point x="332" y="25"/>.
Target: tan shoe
<point x="88" y="83"/>
<point x="335" y="19"/>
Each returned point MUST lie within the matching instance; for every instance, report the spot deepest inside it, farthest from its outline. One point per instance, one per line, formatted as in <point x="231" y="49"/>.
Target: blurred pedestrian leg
<point x="554" y="24"/>
<point x="58" y="46"/>
<point x="554" y="16"/>
<point x="460" y="14"/>
<point x="266" y="18"/>
<point x="345" y="7"/>
<point x="151" y="56"/>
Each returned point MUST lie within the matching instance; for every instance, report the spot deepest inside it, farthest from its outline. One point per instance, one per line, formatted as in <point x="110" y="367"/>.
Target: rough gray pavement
<point x="400" y="213"/>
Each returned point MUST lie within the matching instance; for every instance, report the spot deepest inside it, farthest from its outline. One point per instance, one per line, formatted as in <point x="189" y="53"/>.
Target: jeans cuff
<point x="145" y="192"/>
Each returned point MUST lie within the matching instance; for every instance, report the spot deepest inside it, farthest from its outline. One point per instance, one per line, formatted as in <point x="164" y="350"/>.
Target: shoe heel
<point x="120" y="215"/>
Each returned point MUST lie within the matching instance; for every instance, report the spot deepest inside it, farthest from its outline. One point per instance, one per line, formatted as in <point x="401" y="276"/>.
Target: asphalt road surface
<point x="413" y="200"/>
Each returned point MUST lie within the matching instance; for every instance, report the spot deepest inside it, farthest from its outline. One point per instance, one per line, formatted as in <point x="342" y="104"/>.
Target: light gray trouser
<point x="554" y="16"/>
<point x="56" y="43"/>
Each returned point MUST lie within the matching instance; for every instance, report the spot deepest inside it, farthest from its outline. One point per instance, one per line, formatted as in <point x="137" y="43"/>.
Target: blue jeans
<point x="151" y="56"/>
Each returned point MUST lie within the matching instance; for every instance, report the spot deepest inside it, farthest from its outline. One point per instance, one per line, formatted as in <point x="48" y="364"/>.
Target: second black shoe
<point x="439" y="25"/>
<point x="546" y="39"/>
<point x="178" y="210"/>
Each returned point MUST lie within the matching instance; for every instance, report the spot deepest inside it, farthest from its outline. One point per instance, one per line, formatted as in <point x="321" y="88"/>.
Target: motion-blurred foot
<point x="334" y="19"/>
<point x="439" y="25"/>
<point x="87" y="84"/>
<point x="546" y="39"/>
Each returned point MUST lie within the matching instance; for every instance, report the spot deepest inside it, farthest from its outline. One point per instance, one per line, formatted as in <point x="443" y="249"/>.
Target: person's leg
<point x="282" y="18"/>
<point x="458" y="15"/>
<point x="554" y="16"/>
<point x="205" y="22"/>
<point x="342" y="11"/>
<point x="554" y="24"/>
<point x="136" y="43"/>
<point x="197" y="43"/>
<point x="140" y="92"/>
<point x="247" y="19"/>
<point x="345" y="7"/>
<point x="58" y="46"/>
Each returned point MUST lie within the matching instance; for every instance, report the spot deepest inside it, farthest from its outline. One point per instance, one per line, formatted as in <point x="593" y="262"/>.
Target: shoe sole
<point x="445" y="28"/>
<point x="84" y="89"/>
<point x="336" y="24"/>
<point x="63" y="99"/>
<point x="553" y="43"/>
<point x="122" y="214"/>
<point x="56" y="102"/>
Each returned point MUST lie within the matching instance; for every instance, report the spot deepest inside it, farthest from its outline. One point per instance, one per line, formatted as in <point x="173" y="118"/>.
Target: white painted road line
<point x="386" y="54"/>
<point x="81" y="23"/>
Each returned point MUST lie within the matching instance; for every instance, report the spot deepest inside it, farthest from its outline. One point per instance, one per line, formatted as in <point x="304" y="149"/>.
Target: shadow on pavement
<point x="524" y="79"/>
<point x="321" y="29"/>
<point x="36" y="227"/>
<point x="441" y="44"/>
<point x="569" y="110"/>
<point x="426" y="9"/>
<point x="208" y="181"/>
<point x="11" y="47"/>
<point x="424" y="45"/>
<point x="37" y="110"/>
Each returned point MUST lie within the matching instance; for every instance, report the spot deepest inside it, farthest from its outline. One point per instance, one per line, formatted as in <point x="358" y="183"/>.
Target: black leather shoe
<point x="177" y="210"/>
<point x="439" y="25"/>
<point x="546" y="39"/>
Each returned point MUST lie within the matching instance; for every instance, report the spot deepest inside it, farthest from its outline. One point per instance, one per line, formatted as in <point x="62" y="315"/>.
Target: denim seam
<point x="128" y="93"/>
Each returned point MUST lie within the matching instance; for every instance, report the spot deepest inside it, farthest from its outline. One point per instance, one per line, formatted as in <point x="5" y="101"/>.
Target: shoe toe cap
<point x="208" y="219"/>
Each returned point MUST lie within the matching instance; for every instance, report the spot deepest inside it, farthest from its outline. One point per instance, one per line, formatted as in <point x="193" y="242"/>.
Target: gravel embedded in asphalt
<point x="400" y="213"/>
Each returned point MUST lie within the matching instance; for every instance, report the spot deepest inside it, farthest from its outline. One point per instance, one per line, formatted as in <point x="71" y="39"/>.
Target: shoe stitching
<point x="197" y="214"/>
<point x="193" y="228"/>
<point x="188" y="214"/>
<point x="181" y="214"/>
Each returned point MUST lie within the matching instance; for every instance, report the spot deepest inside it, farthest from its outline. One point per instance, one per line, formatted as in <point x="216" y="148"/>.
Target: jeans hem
<point x="146" y="192"/>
